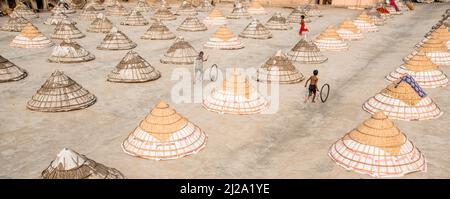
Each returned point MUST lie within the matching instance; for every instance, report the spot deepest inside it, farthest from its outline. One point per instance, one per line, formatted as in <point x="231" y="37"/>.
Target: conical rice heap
<point x="215" y="18"/>
<point x="256" y="8"/>
<point x="306" y="52"/>
<point x="89" y="14"/>
<point x="296" y="16"/>
<point x="100" y="25"/>
<point x="142" y="6"/>
<point x="116" y="40"/>
<point x="61" y="8"/>
<point x="135" y="19"/>
<point x="376" y="17"/>
<point x="378" y="148"/>
<point x="192" y="24"/>
<point x="56" y="18"/>
<point x="25" y="12"/>
<point x="365" y="24"/>
<point x="30" y="37"/>
<point x="205" y="6"/>
<point x="133" y="69"/>
<point x="60" y="93"/>
<point x="425" y="73"/>
<point x="95" y="4"/>
<point x="403" y="101"/>
<point x="66" y="30"/>
<point x="436" y="50"/>
<point x="164" y="14"/>
<point x="224" y="39"/>
<point x="278" y="22"/>
<point x="164" y="134"/>
<point x="348" y="31"/>
<point x="10" y="72"/>
<point x="186" y="9"/>
<point x="70" y="52"/>
<point x="278" y="68"/>
<point x="158" y="31"/>
<point x="14" y="24"/>
<point x="239" y="12"/>
<point x="235" y="96"/>
<point x="72" y="165"/>
<point x="330" y="40"/>
<point x="181" y="52"/>
<point x="256" y="30"/>
<point x="117" y="10"/>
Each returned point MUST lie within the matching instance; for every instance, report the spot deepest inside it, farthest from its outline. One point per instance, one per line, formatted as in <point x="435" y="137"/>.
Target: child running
<point x="313" y="86"/>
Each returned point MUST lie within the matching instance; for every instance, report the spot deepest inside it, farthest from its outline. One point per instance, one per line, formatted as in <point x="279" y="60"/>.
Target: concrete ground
<point x="293" y="143"/>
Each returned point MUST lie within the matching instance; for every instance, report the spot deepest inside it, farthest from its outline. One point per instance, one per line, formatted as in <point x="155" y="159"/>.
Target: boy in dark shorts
<point x="313" y="86"/>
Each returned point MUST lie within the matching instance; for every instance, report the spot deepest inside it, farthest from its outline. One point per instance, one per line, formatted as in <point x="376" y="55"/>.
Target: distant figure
<point x="198" y="65"/>
<point x="313" y="86"/>
<point x="303" y="26"/>
<point x="393" y="4"/>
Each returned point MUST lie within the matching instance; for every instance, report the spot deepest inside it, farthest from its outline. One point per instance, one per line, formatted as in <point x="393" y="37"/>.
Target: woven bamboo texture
<point x="164" y="14"/>
<point x="256" y="8"/>
<point x="135" y="19"/>
<point x="306" y="52"/>
<point x="224" y="39"/>
<point x="96" y="5"/>
<point x="66" y="30"/>
<point x="133" y="69"/>
<point x="278" y="68"/>
<point x="117" y="10"/>
<point x="348" y="31"/>
<point x="277" y="22"/>
<point x="403" y="101"/>
<point x="296" y="16"/>
<point x="72" y="165"/>
<point x="110" y="3"/>
<point x="10" y="72"/>
<point x="63" y="9"/>
<point x="142" y="6"/>
<point x="186" y="9"/>
<point x="256" y="30"/>
<point x="25" y="12"/>
<point x="330" y="40"/>
<point x="205" y="6"/>
<point x="30" y="37"/>
<point x="378" y="148"/>
<point x="435" y="49"/>
<point x="192" y="24"/>
<point x="365" y="24"/>
<point x="57" y="18"/>
<point x="100" y="25"/>
<point x="215" y="18"/>
<point x="14" y="24"/>
<point x="312" y="10"/>
<point x="116" y="40"/>
<point x="239" y="12"/>
<point x="235" y="96"/>
<point x="60" y="93"/>
<point x="70" y="52"/>
<point x="164" y="135"/>
<point x="158" y="31"/>
<point x="181" y="52"/>
<point x="88" y="14"/>
<point x="424" y="72"/>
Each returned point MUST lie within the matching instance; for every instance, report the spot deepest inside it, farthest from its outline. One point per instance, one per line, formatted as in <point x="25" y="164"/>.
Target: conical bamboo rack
<point x="365" y="24"/>
<point x="158" y="31"/>
<point x="256" y="8"/>
<point x="378" y="148"/>
<point x="256" y="30"/>
<point x="312" y="10"/>
<point x="239" y="12"/>
<point x="142" y="6"/>
<point x="403" y="100"/>
<point x="70" y="52"/>
<point x="192" y="24"/>
<point x="66" y="30"/>
<point x="10" y="72"/>
<point x="235" y="96"/>
<point x="135" y="19"/>
<point x="425" y="73"/>
<point x="164" y="135"/>
<point x="117" y="10"/>
<point x="116" y="40"/>
<point x="72" y="165"/>
<point x="163" y="14"/>
<point x="25" y="12"/>
<point x="277" y="22"/>
<point x="205" y="6"/>
<point x="215" y="18"/>
<point x="330" y="40"/>
<point x="95" y="4"/>
<point x="186" y="9"/>
<point x="63" y="9"/>
<point x="181" y="52"/>
<point x="100" y="25"/>
<point x="376" y="17"/>
<point x="30" y="37"/>
<point x="348" y="31"/>
<point x="89" y="13"/>
<point x="306" y="52"/>
<point x="278" y="68"/>
<point x="296" y="16"/>
<point x="133" y="69"/>
<point x="60" y="93"/>
<point x="224" y="39"/>
<point x="436" y="50"/>
<point x="56" y="18"/>
<point x="14" y="24"/>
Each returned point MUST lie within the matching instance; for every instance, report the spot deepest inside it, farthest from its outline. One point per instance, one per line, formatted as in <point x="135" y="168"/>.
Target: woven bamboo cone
<point x="306" y="52"/>
<point x="256" y="30"/>
<point x="348" y="31"/>
<point x="14" y="24"/>
<point x="224" y="39"/>
<point x="181" y="52"/>
<point x="116" y="40"/>
<point x="70" y="52"/>
<point x="239" y="12"/>
<point x="89" y="13"/>
<point x="436" y="50"/>
<point x="10" y="72"/>
<point x="142" y="6"/>
<point x="296" y="16"/>
<point x="277" y="22"/>
<point x="186" y="9"/>
<point x="365" y="24"/>
<point x="158" y="31"/>
<point x="278" y="68"/>
<point x="100" y="25"/>
<point x="58" y="17"/>
<point x="330" y="40"/>
<point x="163" y="14"/>
<point x="133" y="69"/>
<point x="117" y="10"/>
<point x="135" y="19"/>
<point x="30" y="37"/>
<point x="192" y="24"/>
<point x="66" y="30"/>
<point x="215" y="18"/>
<point x="164" y="135"/>
<point x="256" y="8"/>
